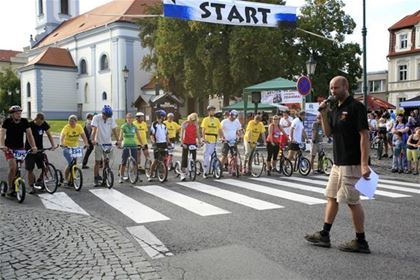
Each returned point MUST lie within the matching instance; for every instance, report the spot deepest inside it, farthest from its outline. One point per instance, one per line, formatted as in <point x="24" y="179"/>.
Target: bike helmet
<point x="107" y="111"/>
<point x="160" y="113"/>
<point x="139" y="114"/>
<point x="15" y="108"/>
<point x="234" y="113"/>
<point x="211" y="107"/>
<point x="170" y="115"/>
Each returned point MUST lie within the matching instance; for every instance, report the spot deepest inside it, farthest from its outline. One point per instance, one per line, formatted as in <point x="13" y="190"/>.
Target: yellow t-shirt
<point x="142" y="128"/>
<point x="255" y="129"/>
<point x="71" y="135"/>
<point x="172" y="127"/>
<point x="211" y="126"/>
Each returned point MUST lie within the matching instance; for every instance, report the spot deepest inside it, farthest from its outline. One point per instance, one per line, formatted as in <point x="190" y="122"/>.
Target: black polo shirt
<point x="346" y="121"/>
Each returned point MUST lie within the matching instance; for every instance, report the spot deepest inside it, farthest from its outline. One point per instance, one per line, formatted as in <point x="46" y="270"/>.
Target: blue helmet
<point x="160" y="113"/>
<point x="107" y="111"/>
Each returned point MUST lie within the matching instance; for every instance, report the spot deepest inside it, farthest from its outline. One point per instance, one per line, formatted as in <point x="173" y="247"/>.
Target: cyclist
<point x="297" y="135"/>
<point x="190" y="135"/>
<point x="210" y="129"/>
<point x="128" y="135"/>
<point x="232" y="129"/>
<point x="160" y="139"/>
<point x="38" y="127"/>
<point x="88" y="132"/>
<point x="143" y="129"/>
<point x="275" y="132"/>
<point x="12" y="138"/>
<point x="254" y="130"/>
<point x="69" y="138"/>
<point x="173" y="127"/>
<point x="103" y="125"/>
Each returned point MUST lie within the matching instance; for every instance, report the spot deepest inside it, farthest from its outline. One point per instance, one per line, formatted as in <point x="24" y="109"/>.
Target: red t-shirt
<point x="274" y="137"/>
<point x="190" y="134"/>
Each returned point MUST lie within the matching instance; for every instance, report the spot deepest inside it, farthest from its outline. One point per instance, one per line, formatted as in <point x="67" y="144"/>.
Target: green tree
<point x="9" y="83"/>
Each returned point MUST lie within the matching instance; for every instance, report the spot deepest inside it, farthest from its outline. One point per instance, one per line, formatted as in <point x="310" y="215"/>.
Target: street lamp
<point x="310" y="70"/>
<point x="125" y="74"/>
<point x="364" y="33"/>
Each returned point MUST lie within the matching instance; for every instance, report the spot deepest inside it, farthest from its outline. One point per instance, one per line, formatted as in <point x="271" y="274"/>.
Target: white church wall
<point x="25" y="78"/>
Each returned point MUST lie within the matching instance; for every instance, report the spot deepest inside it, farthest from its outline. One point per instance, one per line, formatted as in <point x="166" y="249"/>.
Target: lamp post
<point x="310" y="70"/>
<point x="125" y="74"/>
<point x="364" y="33"/>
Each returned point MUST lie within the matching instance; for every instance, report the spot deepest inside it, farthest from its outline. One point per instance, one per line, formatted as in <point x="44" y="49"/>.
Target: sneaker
<point x="355" y="246"/>
<point x="31" y="190"/>
<point x="318" y="240"/>
<point x="85" y="167"/>
<point x="120" y="180"/>
<point x="125" y="178"/>
<point x="205" y="176"/>
<point x="400" y="171"/>
<point x="150" y="179"/>
<point x="98" y="180"/>
<point x="182" y="177"/>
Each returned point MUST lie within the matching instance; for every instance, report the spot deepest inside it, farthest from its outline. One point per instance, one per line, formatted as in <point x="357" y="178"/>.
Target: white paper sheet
<point x="368" y="187"/>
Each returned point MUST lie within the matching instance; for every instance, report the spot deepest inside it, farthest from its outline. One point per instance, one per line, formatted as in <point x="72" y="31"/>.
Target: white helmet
<point x="139" y="114"/>
<point x="170" y="115"/>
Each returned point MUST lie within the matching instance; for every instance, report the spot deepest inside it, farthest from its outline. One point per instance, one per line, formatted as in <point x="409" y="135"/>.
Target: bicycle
<point x="161" y="167"/>
<point x="48" y="178"/>
<point x="324" y="163"/>
<point x="258" y="165"/>
<point x="75" y="173"/>
<point x="107" y="174"/>
<point x="194" y="166"/>
<point x="234" y="160"/>
<point x="215" y="167"/>
<point x="302" y="164"/>
<point x="18" y="181"/>
<point x="284" y="165"/>
<point x="132" y="170"/>
<point x="170" y="156"/>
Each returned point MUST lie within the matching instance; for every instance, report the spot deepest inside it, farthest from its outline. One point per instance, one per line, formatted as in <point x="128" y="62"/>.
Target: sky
<point x="18" y="23"/>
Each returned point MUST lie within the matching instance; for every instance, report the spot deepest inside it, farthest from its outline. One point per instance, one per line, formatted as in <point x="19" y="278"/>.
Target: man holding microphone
<point x="347" y="123"/>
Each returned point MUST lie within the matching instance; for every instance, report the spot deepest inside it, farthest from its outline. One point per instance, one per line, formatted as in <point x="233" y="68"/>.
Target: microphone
<point x="329" y="100"/>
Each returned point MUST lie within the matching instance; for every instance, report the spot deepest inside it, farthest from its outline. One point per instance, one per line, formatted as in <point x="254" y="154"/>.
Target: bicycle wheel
<point x="147" y="165"/>
<point x="20" y="190"/>
<point x="192" y="170"/>
<point x="199" y="167"/>
<point x="108" y="177"/>
<point x="304" y="166"/>
<point x="258" y="166"/>
<point x="77" y="178"/>
<point x="3" y="188"/>
<point x="286" y="167"/>
<point x="49" y="178"/>
<point x="217" y="169"/>
<point x="177" y="168"/>
<point x="327" y="165"/>
<point x="161" y="171"/>
<point x="132" y="171"/>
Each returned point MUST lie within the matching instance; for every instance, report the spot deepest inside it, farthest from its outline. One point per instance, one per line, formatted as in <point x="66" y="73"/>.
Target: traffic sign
<point x="303" y="85"/>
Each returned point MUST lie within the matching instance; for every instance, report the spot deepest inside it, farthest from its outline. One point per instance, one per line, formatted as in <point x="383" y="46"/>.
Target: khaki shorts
<point x="316" y="148"/>
<point x="99" y="153"/>
<point x="341" y="184"/>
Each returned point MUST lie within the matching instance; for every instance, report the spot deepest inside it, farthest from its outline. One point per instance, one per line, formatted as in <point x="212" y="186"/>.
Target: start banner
<point x="230" y="12"/>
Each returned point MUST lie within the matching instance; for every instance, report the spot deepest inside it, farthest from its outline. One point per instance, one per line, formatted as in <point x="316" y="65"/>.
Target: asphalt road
<point x="189" y="234"/>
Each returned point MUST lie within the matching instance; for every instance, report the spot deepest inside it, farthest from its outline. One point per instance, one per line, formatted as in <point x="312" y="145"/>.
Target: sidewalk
<point x="45" y="244"/>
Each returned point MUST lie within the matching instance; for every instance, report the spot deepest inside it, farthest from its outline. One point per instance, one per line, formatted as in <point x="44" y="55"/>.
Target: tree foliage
<point x="9" y="83"/>
<point x="199" y="59"/>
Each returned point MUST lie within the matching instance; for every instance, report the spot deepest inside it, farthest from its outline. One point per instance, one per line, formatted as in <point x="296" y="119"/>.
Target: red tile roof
<point x="407" y="21"/>
<point x="54" y="57"/>
<point x="116" y="10"/>
<point x="5" y="55"/>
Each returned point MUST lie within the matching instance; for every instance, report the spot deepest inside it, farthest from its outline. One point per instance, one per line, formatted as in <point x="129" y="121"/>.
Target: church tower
<point x="51" y="13"/>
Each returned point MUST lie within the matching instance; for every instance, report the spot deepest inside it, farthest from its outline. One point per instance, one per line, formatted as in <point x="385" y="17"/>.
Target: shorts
<point x="126" y="154"/>
<point x="173" y="140"/>
<point x="67" y="156"/>
<point x="226" y="148"/>
<point x="159" y="150"/>
<point x="412" y="155"/>
<point x="316" y="148"/>
<point x="99" y="152"/>
<point x="249" y="149"/>
<point x="32" y="159"/>
<point x="145" y="147"/>
<point x="341" y="184"/>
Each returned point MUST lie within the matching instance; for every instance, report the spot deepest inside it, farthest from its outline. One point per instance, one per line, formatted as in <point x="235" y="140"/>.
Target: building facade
<point x="404" y="59"/>
<point x="8" y="59"/>
<point x="377" y="85"/>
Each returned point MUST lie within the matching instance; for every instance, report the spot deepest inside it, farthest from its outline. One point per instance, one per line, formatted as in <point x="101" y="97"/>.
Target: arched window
<point x="28" y="89"/>
<point x="104" y="96"/>
<point x="40" y="8"/>
<point x="86" y="93"/>
<point x="83" y="67"/>
<point x="64" y="7"/>
<point x="104" y="62"/>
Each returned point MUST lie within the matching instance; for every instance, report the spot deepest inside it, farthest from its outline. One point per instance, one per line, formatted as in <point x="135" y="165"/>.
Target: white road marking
<point x="149" y="242"/>
<point x="396" y="188"/>
<point x="231" y="196"/>
<point x="414" y="185"/>
<point x="274" y="192"/>
<point x="191" y="204"/>
<point x="62" y="202"/>
<point x="133" y="209"/>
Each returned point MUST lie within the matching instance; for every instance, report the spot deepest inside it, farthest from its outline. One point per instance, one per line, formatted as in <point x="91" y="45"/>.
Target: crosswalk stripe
<point x="274" y="192"/>
<point x="403" y="189"/>
<point x="62" y="202"/>
<point x="133" y="209"/>
<point x="191" y="204"/>
<point x="399" y="183"/>
<point x="378" y="192"/>
<point x="149" y="242"/>
<point x="231" y="196"/>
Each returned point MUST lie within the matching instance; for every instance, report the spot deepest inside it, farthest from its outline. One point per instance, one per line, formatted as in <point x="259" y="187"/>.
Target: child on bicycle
<point x="160" y="139"/>
<point x="128" y="135"/>
<point x="190" y="135"/>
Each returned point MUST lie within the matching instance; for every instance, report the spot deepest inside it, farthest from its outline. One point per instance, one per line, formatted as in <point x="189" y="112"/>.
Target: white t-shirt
<point x="160" y="132"/>
<point x="284" y="124"/>
<point x="104" y="129"/>
<point x="230" y="128"/>
<point x="297" y="124"/>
